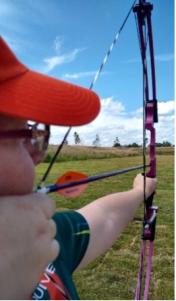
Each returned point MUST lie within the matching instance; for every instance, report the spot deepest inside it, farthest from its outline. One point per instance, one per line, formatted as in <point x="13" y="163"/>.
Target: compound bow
<point x="142" y="11"/>
<point x="150" y="116"/>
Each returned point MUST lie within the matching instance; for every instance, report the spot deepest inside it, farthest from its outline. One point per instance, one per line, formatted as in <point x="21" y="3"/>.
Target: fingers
<point x="55" y="249"/>
<point x="44" y="226"/>
<point x="150" y="184"/>
<point x="50" y="244"/>
<point x="54" y="246"/>
<point x="52" y="228"/>
<point x="28" y="241"/>
<point x="46" y="204"/>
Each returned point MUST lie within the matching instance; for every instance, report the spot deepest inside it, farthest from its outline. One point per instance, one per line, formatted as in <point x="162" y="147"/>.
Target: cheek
<point x="17" y="171"/>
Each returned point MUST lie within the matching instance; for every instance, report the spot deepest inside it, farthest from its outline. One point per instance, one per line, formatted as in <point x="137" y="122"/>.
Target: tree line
<point x="116" y="143"/>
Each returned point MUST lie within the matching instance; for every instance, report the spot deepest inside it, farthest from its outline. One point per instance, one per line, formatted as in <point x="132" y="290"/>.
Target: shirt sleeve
<point x="73" y="235"/>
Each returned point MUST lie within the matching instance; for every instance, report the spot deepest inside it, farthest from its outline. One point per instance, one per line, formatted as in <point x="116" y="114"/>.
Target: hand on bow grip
<point x="150" y="186"/>
<point x="149" y="198"/>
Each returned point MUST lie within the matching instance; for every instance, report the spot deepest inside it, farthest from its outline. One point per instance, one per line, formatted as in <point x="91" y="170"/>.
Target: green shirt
<point x="73" y="235"/>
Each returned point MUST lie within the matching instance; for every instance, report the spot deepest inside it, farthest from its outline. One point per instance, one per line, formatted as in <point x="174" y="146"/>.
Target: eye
<point x="40" y="142"/>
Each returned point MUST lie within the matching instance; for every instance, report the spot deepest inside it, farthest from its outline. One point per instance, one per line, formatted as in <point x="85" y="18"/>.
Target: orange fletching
<point x="69" y="177"/>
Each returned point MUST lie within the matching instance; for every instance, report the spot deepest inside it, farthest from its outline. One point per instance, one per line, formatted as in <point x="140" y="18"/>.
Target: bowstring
<point x="108" y="53"/>
<point x="144" y="93"/>
<point x="40" y="184"/>
<point x="96" y="77"/>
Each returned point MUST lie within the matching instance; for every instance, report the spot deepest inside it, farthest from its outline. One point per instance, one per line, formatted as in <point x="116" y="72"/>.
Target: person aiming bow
<point x="68" y="240"/>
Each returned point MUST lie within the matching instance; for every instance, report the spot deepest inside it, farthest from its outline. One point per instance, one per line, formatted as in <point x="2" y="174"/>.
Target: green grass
<point x="113" y="276"/>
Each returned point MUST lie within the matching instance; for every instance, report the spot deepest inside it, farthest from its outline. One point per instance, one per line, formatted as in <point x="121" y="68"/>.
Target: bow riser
<point x="149" y="125"/>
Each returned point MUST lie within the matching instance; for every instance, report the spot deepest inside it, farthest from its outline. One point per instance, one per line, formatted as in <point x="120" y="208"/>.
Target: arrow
<point x="73" y="183"/>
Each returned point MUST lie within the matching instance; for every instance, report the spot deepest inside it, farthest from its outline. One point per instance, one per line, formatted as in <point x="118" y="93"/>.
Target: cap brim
<point x="38" y="97"/>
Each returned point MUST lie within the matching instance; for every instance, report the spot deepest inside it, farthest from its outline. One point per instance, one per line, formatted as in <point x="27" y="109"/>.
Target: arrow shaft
<point x="56" y="187"/>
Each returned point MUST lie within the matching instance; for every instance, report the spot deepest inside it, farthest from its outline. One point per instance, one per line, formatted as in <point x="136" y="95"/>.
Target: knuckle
<point x="55" y="249"/>
<point x="52" y="228"/>
<point x="47" y="205"/>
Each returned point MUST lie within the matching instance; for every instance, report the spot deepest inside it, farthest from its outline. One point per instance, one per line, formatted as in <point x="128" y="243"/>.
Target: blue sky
<point x="68" y="39"/>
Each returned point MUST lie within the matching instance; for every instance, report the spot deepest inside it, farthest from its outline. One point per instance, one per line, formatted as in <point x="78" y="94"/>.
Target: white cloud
<point x="57" y="60"/>
<point x="166" y="107"/>
<point x="79" y="75"/>
<point x="114" y="121"/>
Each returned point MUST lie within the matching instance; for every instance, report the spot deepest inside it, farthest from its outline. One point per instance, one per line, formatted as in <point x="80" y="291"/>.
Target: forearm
<point x="119" y="208"/>
<point x="107" y="218"/>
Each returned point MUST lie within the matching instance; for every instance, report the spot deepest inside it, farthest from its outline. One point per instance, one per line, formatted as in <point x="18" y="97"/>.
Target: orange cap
<point x="33" y="96"/>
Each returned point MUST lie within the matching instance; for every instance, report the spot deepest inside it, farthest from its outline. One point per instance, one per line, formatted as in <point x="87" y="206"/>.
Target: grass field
<point x="79" y="152"/>
<point x="113" y="276"/>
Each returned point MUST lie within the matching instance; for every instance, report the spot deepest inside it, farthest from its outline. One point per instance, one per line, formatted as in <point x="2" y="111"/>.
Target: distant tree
<point x="116" y="142"/>
<point x="134" y="144"/>
<point x="166" y="143"/>
<point x="96" y="142"/>
<point x="158" y="144"/>
<point x="77" y="138"/>
<point x="163" y="144"/>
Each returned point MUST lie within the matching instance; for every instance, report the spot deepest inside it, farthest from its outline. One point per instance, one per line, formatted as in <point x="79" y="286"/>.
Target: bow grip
<point x="149" y="200"/>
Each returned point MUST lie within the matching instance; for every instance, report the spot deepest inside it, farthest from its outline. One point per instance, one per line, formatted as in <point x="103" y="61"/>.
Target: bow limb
<point x="150" y="116"/>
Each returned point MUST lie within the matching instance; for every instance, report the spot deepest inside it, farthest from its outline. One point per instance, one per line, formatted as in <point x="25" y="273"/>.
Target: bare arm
<point x="108" y="216"/>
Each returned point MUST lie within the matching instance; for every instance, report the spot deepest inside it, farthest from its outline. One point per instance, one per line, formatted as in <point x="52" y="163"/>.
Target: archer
<point x="72" y="238"/>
